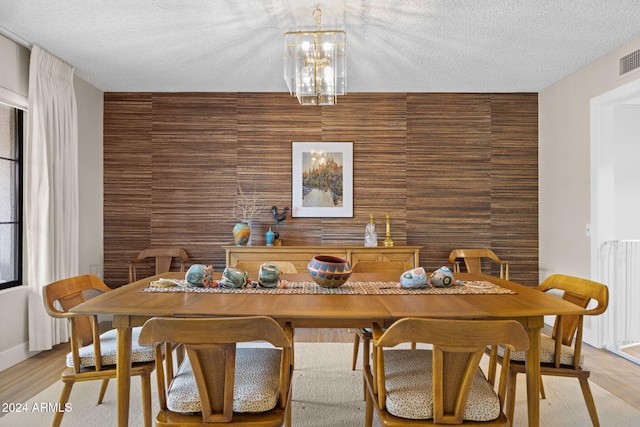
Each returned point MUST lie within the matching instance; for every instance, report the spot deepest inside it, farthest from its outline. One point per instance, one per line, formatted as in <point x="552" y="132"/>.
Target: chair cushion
<point x="257" y="377"/>
<point x="547" y="351"/>
<point x="409" y="388"/>
<point x="108" y="348"/>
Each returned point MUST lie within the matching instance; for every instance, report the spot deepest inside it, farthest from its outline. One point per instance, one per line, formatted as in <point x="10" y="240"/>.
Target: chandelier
<point x="315" y="64"/>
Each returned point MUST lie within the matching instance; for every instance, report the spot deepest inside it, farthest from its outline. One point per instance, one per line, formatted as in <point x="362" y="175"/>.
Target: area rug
<point x="327" y="393"/>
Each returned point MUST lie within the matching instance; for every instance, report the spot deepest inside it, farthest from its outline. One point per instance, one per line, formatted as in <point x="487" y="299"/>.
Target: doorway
<point x="615" y="206"/>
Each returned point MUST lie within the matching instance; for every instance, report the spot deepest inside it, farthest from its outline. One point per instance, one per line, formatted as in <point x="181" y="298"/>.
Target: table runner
<point x="349" y="288"/>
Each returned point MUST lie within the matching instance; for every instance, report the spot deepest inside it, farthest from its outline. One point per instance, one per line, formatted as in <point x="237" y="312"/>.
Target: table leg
<point x="124" y="373"/>
<point x="532" y="364"/>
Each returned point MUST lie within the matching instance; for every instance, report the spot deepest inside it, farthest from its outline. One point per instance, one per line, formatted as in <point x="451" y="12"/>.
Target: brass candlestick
<point x="388" y="241"/>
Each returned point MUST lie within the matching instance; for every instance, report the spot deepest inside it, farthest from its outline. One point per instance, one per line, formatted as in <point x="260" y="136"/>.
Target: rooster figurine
<point x="279" y="217"/>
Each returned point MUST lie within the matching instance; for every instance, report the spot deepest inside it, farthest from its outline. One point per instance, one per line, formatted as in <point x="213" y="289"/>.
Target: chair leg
<point x="511" y="395"/>
<point x="146" y="399"/>
<point x="287" y="414"/>
<point x="103" y="390"/>
<point x="293" y="348"/>
<point x="366" y="349"/>
<point x="64" y="398"/>
<point x="588" y="398"/>
<point x="542" y="395"/>
<point x="356" y="347"/>
<point x="502" y="384"/>
<point x="368" y="412"/>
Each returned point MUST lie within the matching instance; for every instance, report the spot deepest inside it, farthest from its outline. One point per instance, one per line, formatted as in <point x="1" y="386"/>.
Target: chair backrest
<point x="458" y="346"/>
<point x="163" y="259"/>
<point x="473" y="260"/>
<point x="580" y="292"/>
<point x="68" y="293"/>
<point x="210" y="344"/>
<point x="379" y="267"/>
<point x="254" y="266"/>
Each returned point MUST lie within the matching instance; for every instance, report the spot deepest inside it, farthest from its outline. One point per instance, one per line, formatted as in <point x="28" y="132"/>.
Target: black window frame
<point x="19" y="182"/>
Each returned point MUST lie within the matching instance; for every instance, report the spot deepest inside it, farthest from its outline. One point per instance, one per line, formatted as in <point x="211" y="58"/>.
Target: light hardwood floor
<point x="26" y="379"/>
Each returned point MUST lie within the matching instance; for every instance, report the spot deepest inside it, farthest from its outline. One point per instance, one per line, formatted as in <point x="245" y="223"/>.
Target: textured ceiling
<point x="392" y="45"/>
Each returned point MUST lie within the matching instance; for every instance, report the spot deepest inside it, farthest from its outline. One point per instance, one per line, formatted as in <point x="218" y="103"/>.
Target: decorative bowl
<point x="441" y="278"/>
<point x="195" y="275"/>
<point x="269" y="276"/>
<point x="329" y="271"/>
<point x="234" y="278"/>
<point x="415" y="278"/>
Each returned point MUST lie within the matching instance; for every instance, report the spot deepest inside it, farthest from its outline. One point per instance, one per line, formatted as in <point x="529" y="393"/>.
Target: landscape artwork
<point x="322" y="179"/>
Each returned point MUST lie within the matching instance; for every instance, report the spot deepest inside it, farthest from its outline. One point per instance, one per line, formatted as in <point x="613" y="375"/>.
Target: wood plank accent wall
<point x="452" y="170"/>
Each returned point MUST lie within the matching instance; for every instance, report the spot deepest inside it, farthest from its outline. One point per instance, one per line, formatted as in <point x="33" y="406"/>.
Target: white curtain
<point x="51" y="190"/>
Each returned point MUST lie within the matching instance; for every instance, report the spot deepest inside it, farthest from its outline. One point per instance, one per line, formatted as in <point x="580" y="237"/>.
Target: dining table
<point x="364" y="299"/>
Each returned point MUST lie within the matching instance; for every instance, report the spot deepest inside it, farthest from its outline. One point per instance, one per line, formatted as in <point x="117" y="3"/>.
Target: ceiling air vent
<point x="630" y="62"/>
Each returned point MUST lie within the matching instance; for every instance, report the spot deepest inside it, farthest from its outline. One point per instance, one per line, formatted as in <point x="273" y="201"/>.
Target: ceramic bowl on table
<point x="269" y="276"/>
<point x="234" y="278"/>
<point x="415" y="278"/>
<point x="199" y="275"/>
<point x="329" y="271"/>
<point x="442" y="278"/>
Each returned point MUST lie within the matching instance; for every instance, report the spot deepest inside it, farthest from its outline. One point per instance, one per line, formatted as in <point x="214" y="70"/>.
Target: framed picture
<point x="322" y="179"/>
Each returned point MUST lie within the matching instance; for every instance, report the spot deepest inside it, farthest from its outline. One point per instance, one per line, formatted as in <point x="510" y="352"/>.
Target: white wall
<point x="564" y="166"/>
<point x="14" y="79"/>
<point x="626" y="178"/>
<point x="90" y="171"/>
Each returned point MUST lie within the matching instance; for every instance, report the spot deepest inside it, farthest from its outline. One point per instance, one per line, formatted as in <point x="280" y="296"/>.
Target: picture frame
<point x="322" y="179"/>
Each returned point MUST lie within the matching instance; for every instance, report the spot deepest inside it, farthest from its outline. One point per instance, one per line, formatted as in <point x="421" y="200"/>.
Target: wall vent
<point x="629" y="63"/>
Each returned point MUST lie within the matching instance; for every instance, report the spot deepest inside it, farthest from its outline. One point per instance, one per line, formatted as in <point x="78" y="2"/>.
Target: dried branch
<point x="248" y="205"/>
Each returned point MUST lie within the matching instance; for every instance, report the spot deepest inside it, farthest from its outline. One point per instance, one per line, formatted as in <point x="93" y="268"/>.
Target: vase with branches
<point x="246" y="207"/>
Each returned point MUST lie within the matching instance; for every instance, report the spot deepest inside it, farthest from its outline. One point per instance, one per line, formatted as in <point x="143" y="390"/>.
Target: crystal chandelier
<point x="315" y="64"/>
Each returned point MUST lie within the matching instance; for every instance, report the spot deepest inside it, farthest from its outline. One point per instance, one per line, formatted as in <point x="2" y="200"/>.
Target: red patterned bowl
<point x="329" y="271"/>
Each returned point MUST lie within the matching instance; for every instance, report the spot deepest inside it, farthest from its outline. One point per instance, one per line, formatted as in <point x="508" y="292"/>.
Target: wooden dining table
<point x="131" y="306"/>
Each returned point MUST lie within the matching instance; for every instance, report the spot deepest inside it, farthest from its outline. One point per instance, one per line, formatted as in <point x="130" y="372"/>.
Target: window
<point x="11" y="137"/>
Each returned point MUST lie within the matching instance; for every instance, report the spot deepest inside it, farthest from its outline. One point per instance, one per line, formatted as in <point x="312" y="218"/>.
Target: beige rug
<point x="326" y="394"/>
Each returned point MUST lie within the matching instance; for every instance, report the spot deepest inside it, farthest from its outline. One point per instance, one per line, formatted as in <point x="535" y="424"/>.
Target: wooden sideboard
<point x="301" y="255"/>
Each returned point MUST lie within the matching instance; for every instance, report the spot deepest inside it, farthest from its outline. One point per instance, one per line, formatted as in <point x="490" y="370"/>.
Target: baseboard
<point x="15" y="355"/>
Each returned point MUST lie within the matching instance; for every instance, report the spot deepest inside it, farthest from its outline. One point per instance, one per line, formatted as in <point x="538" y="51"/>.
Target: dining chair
<point x="364" y="334"/>
<point x="254" y="266"/>
<point x="473" y="261"/>
<point x="560" y="353"/>
<point x="163" y="258"/>
<point x="93" y="355"/>
<point x="439" y="386"/>
<point x="221" y="382"/>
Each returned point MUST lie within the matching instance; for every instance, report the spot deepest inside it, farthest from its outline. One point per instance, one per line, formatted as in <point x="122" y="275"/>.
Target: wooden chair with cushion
<point x="473" y="261"/>
<point x="561" y="353"/>
<point x="364" y="334"/>
<point x="93" y="355"/>
<point x="442" y="386"/>
<point x="163" y="258"/>
<point x="221" y="383"/>
<point x="254" y="266"/>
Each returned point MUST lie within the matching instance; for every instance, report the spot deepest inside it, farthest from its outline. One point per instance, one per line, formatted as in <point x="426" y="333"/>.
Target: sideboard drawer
<point x="301" y="255"/>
